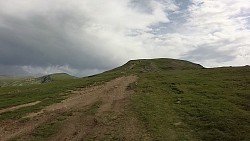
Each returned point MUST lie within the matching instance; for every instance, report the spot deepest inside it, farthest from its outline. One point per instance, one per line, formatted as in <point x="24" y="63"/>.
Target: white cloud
<point x="215" y="23"/>
<point x="73" y="36"/>
<point x="31" y="70"/>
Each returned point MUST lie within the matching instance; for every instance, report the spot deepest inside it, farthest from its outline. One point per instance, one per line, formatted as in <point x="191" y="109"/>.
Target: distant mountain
<point x="6" y="80"/>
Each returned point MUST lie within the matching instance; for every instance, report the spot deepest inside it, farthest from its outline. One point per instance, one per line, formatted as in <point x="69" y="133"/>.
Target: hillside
<point x="155" y="99"/>
<point x="156" y="65"/>
<point x="29" y="80"/>
<point x="55" y="77"/>
<point x="6" y="80"/>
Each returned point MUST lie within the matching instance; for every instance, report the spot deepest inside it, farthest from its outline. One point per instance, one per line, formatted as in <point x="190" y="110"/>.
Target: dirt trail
<point x="108" y="120"/>
<point x="19" y="106"/>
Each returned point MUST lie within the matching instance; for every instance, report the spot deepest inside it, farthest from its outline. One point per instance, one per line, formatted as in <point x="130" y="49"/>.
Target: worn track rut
<point x="109" y="121"/>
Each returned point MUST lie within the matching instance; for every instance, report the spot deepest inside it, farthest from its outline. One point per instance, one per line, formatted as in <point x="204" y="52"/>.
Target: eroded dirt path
<point x="95" y="113"/>
<point x="19" y="106"/>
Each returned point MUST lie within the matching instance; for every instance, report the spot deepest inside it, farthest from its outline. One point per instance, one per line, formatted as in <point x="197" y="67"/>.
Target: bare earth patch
<point x="94" y="113"/>
<point x="18" y="107"/>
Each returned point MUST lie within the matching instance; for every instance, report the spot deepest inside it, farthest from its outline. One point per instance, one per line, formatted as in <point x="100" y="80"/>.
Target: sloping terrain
<point x="157" y="65"/>
<point x="6" y="80"/>
<point x="90" y="113"/>
<point x="24" y="81"/>
<point x="205" y="104"/>
<point x="54" y="77"/>
<point x="158" y="99"/>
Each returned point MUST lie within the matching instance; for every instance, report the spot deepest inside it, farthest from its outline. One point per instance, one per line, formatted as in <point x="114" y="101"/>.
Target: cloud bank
<point x="91" y="36"/>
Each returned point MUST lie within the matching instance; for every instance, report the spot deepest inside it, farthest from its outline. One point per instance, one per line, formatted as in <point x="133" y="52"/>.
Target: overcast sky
<point x="83" y="37"/>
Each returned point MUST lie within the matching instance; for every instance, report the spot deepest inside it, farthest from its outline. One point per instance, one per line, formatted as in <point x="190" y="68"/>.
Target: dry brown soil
<point x="93" y="113"/>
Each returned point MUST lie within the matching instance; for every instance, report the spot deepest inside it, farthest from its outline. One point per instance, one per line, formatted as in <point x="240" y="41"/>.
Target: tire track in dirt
<point x="18" y="107"/>
<point x="110" y="119"/>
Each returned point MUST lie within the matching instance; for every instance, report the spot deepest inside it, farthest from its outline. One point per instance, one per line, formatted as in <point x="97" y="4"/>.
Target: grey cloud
<point x="177" y="19"/>
<point x="52" y="39"/>
<point x="183" y="4"/>
<point x="86" y="37"/>
<point x="146" y="5"/>
<point x="43" y="35"/>
<point x="248" y="23"/>
<point x="141" y="5"/>
<point x="11" y="70"/>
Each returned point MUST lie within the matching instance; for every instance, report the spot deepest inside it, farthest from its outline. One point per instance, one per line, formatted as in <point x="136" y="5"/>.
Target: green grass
<point x="47" y="93"/>
<point x="61" y="76"/>
<point x="174" y="99"/>
<point x="54" y="77"/>
<point x="16" y="81"/>
<point x="205" y="104"/>
<point x="48" y="129"/>
<point x="92" y="109"/>
<point x="156" y="65"/>
<point x="6" y="81"/>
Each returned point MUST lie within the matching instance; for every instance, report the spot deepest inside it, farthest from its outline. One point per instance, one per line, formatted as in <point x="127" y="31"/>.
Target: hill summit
<point x="157" y="65"/>
<point x="55" y="77"/>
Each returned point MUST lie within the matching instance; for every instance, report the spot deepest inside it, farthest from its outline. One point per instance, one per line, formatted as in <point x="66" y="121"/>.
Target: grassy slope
<point x="48" y="93"/>
<point x="15" y="81"/>
<point x="156" y="65"/>
<point x="61" y="76"/>
<point x="205" y="104"/>
<point x="54" y="77"/>
<point x="179" y="100"/>
<point x="24" y="81"/>
<point x="175" y="100"/>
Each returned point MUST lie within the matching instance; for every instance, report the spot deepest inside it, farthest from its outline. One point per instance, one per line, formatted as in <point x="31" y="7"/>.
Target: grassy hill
<point x="55" y="77"/>
<point x="173" y="100"/>
<point x="156" y="65"/>
<point x="22" y="80"/>
<point x="205" y="104"/>
<point x="6" y="80"/>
